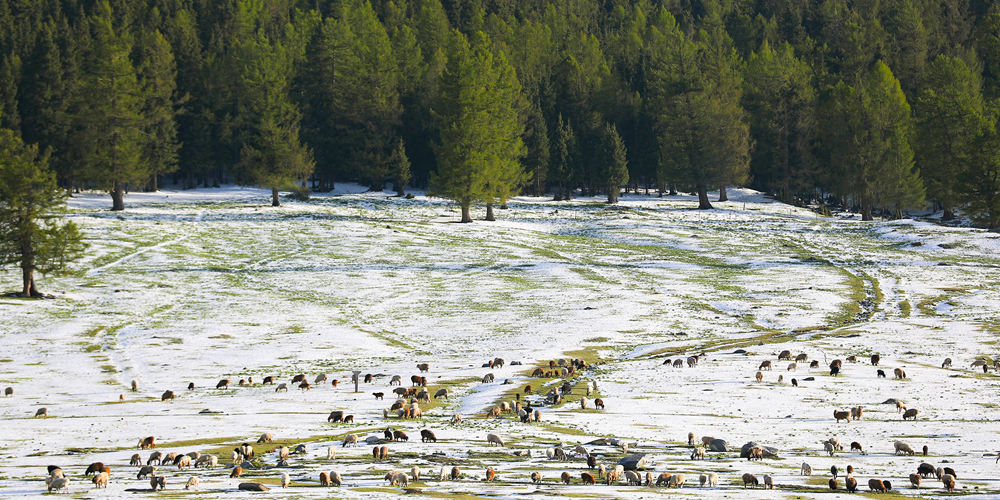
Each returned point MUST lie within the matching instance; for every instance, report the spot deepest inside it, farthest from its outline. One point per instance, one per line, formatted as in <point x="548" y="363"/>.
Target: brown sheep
<point x="101" y="480"/>
<point x="155" y="457"/>
<point x="536" y="477"/>
<point x="349" y="419"/>
<point x="875" y="359"/>
<point x="146" y="443"/>
<point x="764" y="365"/>
<point x="237" y="472"/>
<point x="841" y="415"/>
<point x="304" y="385"/>
<point x="759" y="377"/>
<point x="899" y="373"/>
<point x="876" y="486"/>
<point x="336" y="416"/>
<point x="538" y="372"/>
<point x="802" y="357"/>
<point x="324" y="479"/>
<point x="833" y="483"/>
<point x="491" y="474"/>
<point x="368" y="378"/>
<point x="427" y="435"/>
<point x="565" y="477"/>
<point x="856" y="446"/>
<point x="836" y="363"/>
<point x="663" y="479"/>
<point x="266" y="437"/>
<point x="442" y="392"/>
<point x="599" y="403"/>
<point x="587" y="478"/>
<point x="949" y="482"/>
<point x="8" y="392"/>
<point x="145" y="471"/>
<point x="756" y="453"/>
<point x="851" y="484"/>
<point x="915" y="480"/>
<point x="750" y="479"/>
<point x="268" y="380"/>
<point x="852" y="358"/>
<point x="814" y="363"/>
<point x="223" y="384"/>
<point x="455" y="473"/>
<point x="423" y="367"/>
<point x="911" y="414"/>
<point x="168" y="395"/>
<point x="383" y="453"/>
<point x="136" y="460"/>
<point x="298" y="378"/>
<point x="94" y="468"/>
<point x="399" y="436"/>
<point x="786" y="354"/>
<point x="856" y="413"/>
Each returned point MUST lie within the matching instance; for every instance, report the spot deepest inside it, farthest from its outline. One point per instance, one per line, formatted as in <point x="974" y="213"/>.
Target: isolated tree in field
<point x="868" y="131"/>
<point x="31" y="233"/>
<point x="612" y="163"/>
<point x="949" y="115"/>
<point x="400" y="168"/>
<point x="480" y="132"/>
<point x="272" y="156"/>
<point x="704" y="138"/>
<point x="108" y="118"/>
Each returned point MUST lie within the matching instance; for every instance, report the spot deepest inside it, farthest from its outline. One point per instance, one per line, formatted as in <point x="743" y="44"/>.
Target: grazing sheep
<point x="349" y="439"/>
<point x="145" y="471"/>
<point x="702" y="479"/>
<point x="750" y="479"/>
<point x="331" y="453"/>
<point x="252" y="487"/>
<point x="210" y="461"/>
<point x="663" y="479"/>
<point x="383" y="453"/>
<point x="634" y="479"/>
<point x="336" y="416"/>
<point x="223" y="384"/>
<point x="915" y="480"/>
<point x="400" y="436"/>
<point x="829" y="448"/>
<point x="978" y="363"/>
<point x="900" y="407"/>
<point x="814" y="363"/>
<point x="580" y="451"/>
<point x="856" y="413"/>
<point x="698" y="453"/>
<point x="192" y="483"/>
<point x="285" y="480"/>
<point x="949" y="470"/>
<point x="876" y="486"/>
<point x="759" y="376"/>
<point x="713" y="480"/>
<point x="786" y="354"/>
<point x="324" y="479"/>
<point x="756" y="453"/>
<point x="707" y="440"/>
<point x="455" y="473"/>
<point x="852" y="358"/>
<point x="238" y="472"/>
<point x="155" y="457"/>
<point x="136" y="460"/>
<point x="856" y="446"/>
<point x="806" y="470"/>
<point x="591" y="461"/>
<point x="850" y="484"/>
<point x="183" y="461"/>
<point x="802" y="357"/>
<point x="842" y="415"/>
<point x="442" y="392"/>
<point x="490" y="474"/>
<point x="875" y="359"/>
<point x="266" y="437"/>
<point x="395" y="380"/>
<point x="678" y="363"/>
<point x="281" y="387"/>
<point x="676" y="480"/>
<point x="268" y="380"/>
<point x="792" y="366"/>
<point x="42" y="412"/>
<point x="564" y="478"/>
<point x="898" y="373"/>
<point x="283" y="452"/>
<point x="195" y="455"/>
<point x="947" y="363"/>
<point x="925" y="450"/>
<point x="903" y="447"/>
<point x="157" y="482"/>
<point x="911" y="414"/>
<point x="320" y="379"/>
<point x="493" y="439"/>
<point x="586" y="478"/>
<point x="488" y="378"/>
<point x="795" y="383"/>
<point x="59" y="483"/>
<point x="601" y="470"/>
<point x="427" y="435"/>
<point x="690" y="439"/>
<point x="536" y="416"/>
<point x="836" y="444"/>
<point x="423" y="367"/>
<point x="304" y="385"/>
<point x="170" y="457"/>
<point x="456" y="418"/>
<point x="768" y="482"/>
<point x="583" y="403"/>
<point x="94" y="468"/>
<point x="833" y="483"/>
<point x="764" y="365"/>
<point x="880" y="373"/>
<point x="369" y="376"/>
<point x="415" y="472"/>
<point x="101" y="480"/>
<point x="949" y="482"/>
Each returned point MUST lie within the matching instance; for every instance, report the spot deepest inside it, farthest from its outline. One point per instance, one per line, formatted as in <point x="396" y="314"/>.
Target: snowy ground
<point x="197" y="286"/>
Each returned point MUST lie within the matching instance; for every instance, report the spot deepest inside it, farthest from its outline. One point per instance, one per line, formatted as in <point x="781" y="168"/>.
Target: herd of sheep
<point x="407" y="406"/>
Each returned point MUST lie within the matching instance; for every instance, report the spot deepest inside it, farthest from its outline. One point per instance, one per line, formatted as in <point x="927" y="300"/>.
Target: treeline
<point x="874" y="106"/>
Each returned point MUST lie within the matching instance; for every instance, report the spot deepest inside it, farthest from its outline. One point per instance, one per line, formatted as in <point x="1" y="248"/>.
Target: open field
<point x="197" y="286"/>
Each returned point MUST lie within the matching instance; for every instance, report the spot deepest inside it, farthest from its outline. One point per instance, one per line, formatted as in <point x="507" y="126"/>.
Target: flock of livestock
<point x="245" y="460"/>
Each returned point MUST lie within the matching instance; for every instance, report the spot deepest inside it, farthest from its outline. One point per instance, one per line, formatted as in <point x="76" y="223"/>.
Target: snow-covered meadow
<point x="197" y="286"/>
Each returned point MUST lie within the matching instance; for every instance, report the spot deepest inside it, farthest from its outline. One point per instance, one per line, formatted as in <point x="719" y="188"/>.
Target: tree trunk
<point x="489" y="212"/>
<point x="866" y="211"/>
<point x="613" y="194"/>
<point x="703" y="203"/>
<point x="28" y="274"/>
<point x="466" y="217"/>
<point x="722" y="194"/>
<point x="949" y="214"/>
<point x="275" y="202"/>
<point x="117" y="197"/>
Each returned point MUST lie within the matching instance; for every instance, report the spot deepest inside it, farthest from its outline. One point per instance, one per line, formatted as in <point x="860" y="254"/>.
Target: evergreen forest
<point x="874" y="106"/>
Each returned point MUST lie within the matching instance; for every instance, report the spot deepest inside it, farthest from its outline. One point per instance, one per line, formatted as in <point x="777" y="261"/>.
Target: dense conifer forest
<point x="873" y="106"/>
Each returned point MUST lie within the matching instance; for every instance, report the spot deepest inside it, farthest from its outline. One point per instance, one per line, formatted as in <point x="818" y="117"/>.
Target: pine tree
<point x="480" y="134"/>
<point x="31" y="233"/>
<point x="108" y="117"/>
<point x="536" y="140"/>
<point x="400" y="169"/>
<point x="703" y="133"/>
<point x="10" y="76"/>
<point x="949" y="114"/>
<point x="614" y="165"/>
<point x="158" y="77"/>
<point x="978" y="185"/>
<point x="868" y="130"/>
<point x="564" y="156"/>
<point x="271" y="156"/>
<point x="781" y="101"/>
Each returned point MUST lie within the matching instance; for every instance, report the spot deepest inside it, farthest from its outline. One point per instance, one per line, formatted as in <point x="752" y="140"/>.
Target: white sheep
<point x="698" y="453"/>
<point x="331" y="453"/>
<point x="400" y="480"/>
<point x="415" y="472"/>
<point x="493" y="439"/>
<point x="456" y="418"/>
<point x="285" y="480"/>
<point x="210" y="461"/>
<point x="101" y="480"/>
<point x="829" y="448"/>
<point x="183" y="461"/>
<point x="59" y="483"/>
<point x="806" y="470"/>
<point x="350" y="439"/>
<point x="336" y="479"/>
<point x="192" y="483"/>
<point x="713" y="480"/>
<point x="281" y="387"/>
<point x="580" y="451"/>
<point x="677" y="480"/>
<point x="903" y="447"/>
